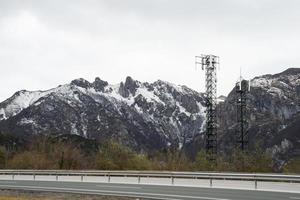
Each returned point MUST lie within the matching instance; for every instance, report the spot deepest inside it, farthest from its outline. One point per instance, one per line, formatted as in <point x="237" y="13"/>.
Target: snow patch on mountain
<point x="280" y="85"/>
<point x="183" y="110"/>
<point x="2" y="114"/>
<point x="74" y="130"/>
<point x="284" y="146"/>
<point x="18" y="102"/>
<point x="261" y="82"/>
<point x="276" y="91"/>
<point x="148" y="95"/>
<point x="27" y="121"/>
<point x="23" y="99"/>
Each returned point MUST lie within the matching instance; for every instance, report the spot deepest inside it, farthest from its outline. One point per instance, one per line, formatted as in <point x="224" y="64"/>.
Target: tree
<point x="30" y="160"/>
<point x="67" y="156"/>
<point x="255" y="161"/>
<point x="202" y="162"/>
<point x="114" y="156"/>
<point x="2" y="157"/>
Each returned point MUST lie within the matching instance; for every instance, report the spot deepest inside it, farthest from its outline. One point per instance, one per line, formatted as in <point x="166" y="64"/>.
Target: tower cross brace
<point x="242" y="89"/>
<point x="209" y="63"/>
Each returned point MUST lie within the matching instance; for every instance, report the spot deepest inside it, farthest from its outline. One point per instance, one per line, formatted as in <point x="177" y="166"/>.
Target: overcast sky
<point x="44" y="43"/>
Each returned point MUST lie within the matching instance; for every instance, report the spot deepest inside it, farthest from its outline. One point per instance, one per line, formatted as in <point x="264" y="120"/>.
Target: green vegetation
<point x="202" y="162"/>
<point x="113" y="156"/>
<point x="254" y="161"/>
<point x="46" y="153"/>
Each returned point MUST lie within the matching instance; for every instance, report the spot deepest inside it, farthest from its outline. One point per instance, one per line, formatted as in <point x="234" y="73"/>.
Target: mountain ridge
<point x="155" y="107"/>
<point x="154" y="116"/>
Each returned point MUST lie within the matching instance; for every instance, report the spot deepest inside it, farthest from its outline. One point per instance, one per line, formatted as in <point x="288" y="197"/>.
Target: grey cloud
<point x="46" y="43"/>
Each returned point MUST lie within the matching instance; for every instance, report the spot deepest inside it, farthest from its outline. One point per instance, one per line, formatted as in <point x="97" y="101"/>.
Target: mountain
<point x="144" y="116"/>
<point x="273" y="107"/>
<point x="155" y="116"/>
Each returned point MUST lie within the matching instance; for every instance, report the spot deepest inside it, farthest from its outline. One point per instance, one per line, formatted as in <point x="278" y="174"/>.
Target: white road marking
<point x="112" y="186"/>
<point x="114" y="192"/>
<point x="294" y="197"/>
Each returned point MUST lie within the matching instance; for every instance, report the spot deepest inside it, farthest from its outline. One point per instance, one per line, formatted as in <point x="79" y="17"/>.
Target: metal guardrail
<point x="159" y="174"/>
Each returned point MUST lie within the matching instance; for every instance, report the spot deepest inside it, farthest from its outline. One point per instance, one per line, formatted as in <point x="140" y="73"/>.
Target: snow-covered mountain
<point x="154" y="116"/>
<point x="141" y="115"/>
<point x="273" y="105"/>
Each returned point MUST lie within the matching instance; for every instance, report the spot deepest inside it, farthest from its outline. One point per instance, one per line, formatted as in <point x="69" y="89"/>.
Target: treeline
<point x="44" y="153"/>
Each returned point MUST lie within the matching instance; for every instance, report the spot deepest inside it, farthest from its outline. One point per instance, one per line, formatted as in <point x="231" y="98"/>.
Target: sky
<point x="45" y="43"/>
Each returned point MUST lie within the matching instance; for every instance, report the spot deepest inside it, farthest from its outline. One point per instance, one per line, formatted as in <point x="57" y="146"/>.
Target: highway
<point x="147" y="191"/>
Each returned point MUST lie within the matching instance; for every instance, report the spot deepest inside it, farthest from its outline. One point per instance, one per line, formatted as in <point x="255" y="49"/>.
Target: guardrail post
<point x="161" y="175"/>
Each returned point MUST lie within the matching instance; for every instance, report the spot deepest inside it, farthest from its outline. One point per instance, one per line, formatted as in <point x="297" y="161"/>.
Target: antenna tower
<point x="209" y="63"/>
<point x="242" y="89"/>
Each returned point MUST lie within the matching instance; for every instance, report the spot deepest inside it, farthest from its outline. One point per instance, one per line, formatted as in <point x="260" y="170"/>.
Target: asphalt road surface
<point x="147" y="191"/>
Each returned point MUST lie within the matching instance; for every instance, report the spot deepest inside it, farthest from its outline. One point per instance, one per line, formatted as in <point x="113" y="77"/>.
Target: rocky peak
<point x="99" y="84"/>
<point x="129" y="87"/>
<point x="20" y="92"/>
<point x="80" y="82"/>
<point x="285" y="81"/>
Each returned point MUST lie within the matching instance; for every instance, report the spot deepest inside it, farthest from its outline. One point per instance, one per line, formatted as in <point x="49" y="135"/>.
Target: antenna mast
<point x="209" y="63"/>
<point x="242" y="89"/>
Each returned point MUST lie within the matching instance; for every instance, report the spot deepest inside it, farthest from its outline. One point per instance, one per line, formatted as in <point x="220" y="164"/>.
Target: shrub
<point x="114" y="156"/>
<point x="2" y="157"/>
<point x="29" y="160"/>
<point x="293" y="166"/>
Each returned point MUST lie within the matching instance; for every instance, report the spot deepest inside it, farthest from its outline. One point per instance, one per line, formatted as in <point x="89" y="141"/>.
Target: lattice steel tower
<point x="242" y="89"/>
<point x="209" y="63"/>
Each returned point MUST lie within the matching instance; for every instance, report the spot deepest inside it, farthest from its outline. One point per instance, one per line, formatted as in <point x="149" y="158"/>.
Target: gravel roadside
<point x="30" y="195"/>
